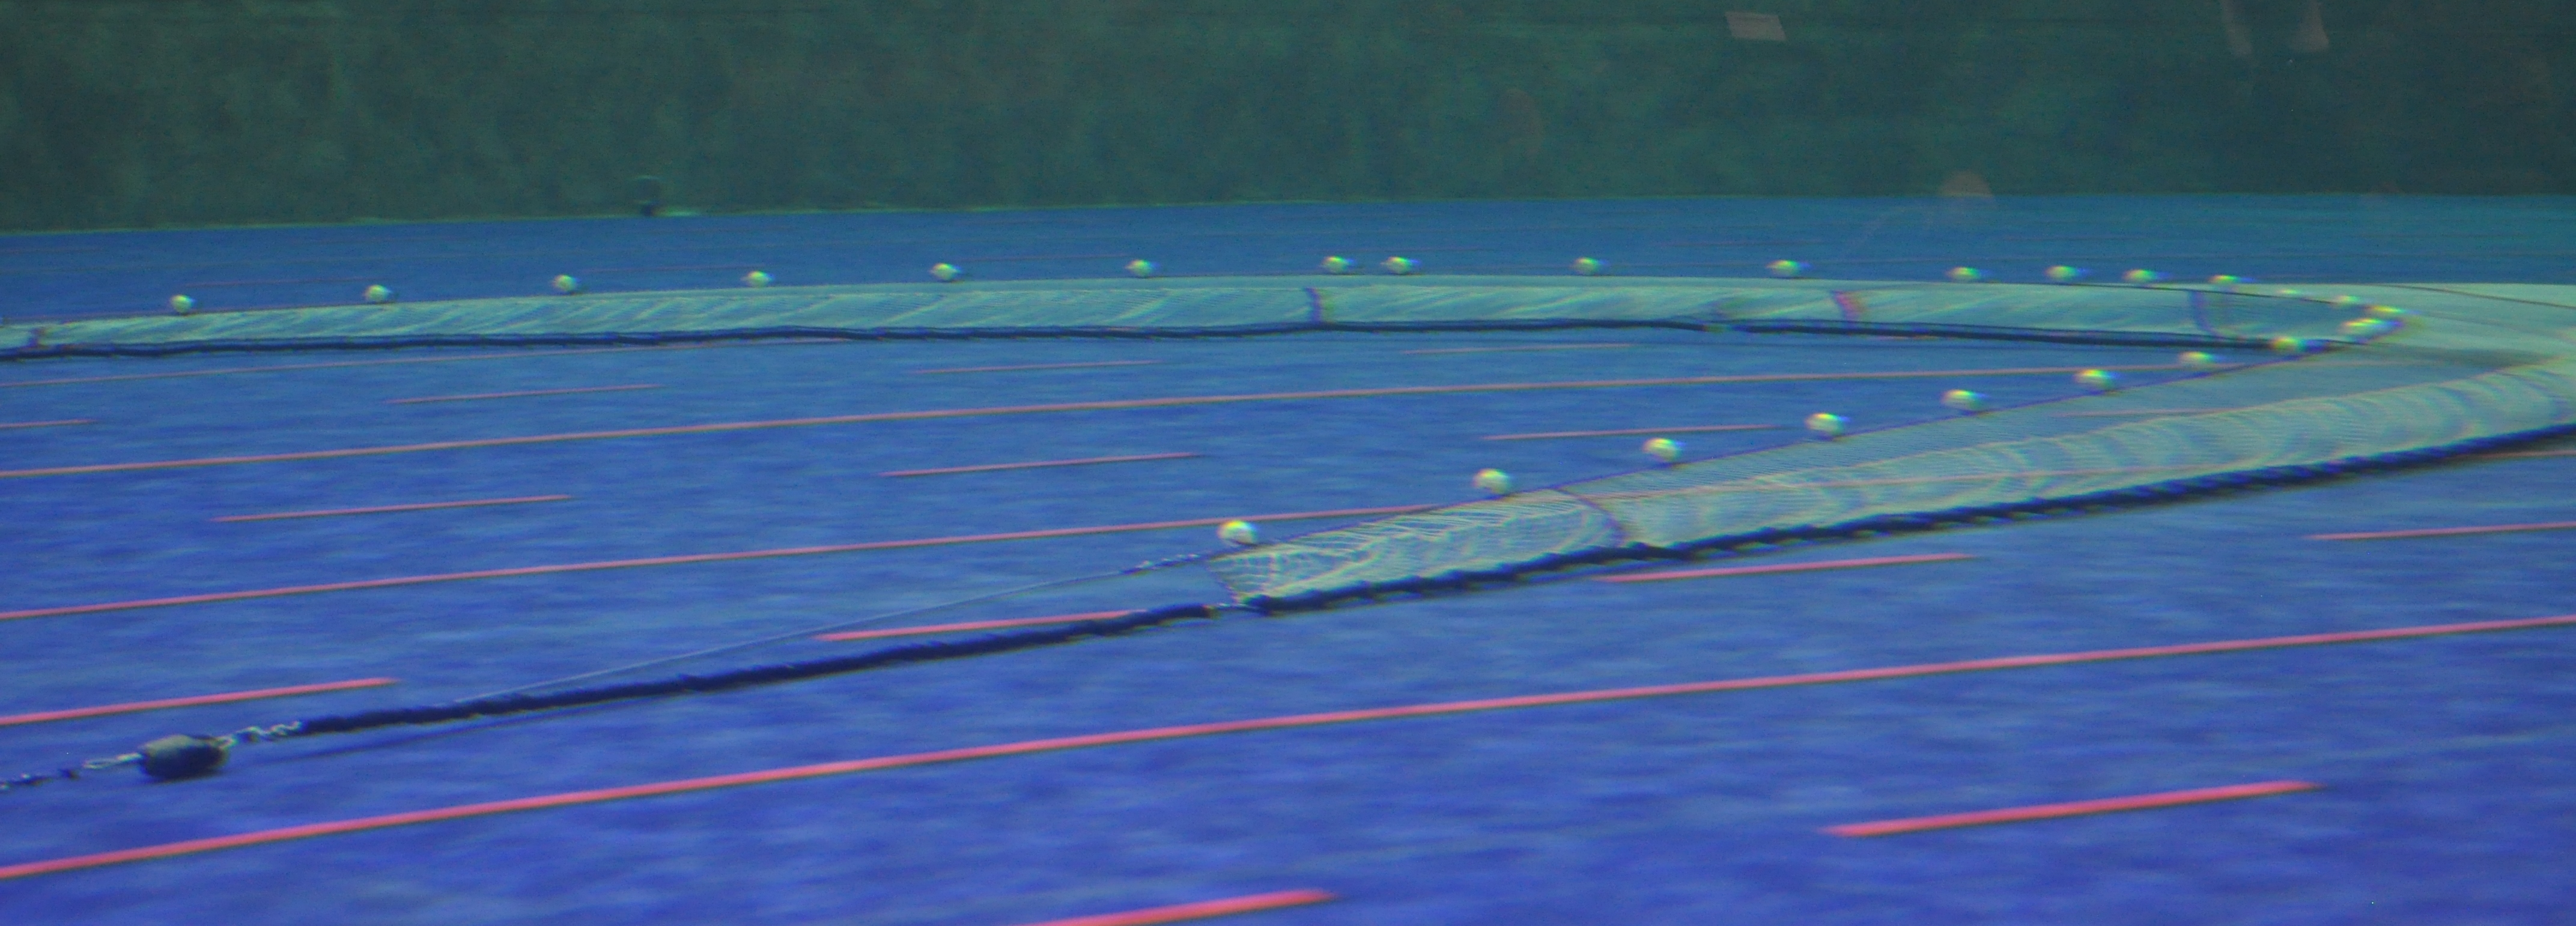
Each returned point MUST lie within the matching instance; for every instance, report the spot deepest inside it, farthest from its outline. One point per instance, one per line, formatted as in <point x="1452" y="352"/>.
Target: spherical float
<point x="2097" y="380"/>
<point x="1494" y="482"/>
<point x="2065" y="274"/>
<point x="1336" y="265"/>
<point x="1963" y="401"/>
<point x="182" y="304"/>
<point x="1239" y="533"/>
<point x="1140" y="268"/>
<point x="1965" y="274"/>
<point x="2141" y="277"/>
<point x="757" y="279"/>
<point x="1400" y="266"/>
<point x="946" y="273"/>
<point x="378" y="294"/>
<point x="2197" y="360"/>
<point x="1787" y="269"/>
<point x="1663" y="449"/>
<point x="1585" y="266"/>
<point x="2286" y="344"/>
<point x="567" y="284"/>
<point x="1826" y="425"/>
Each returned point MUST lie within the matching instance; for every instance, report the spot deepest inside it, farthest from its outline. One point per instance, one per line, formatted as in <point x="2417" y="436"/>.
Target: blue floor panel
<point x="2444" y="761"/>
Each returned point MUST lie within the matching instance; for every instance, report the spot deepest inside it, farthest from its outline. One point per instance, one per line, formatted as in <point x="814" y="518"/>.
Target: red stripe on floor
<point x="6" y="425"/>
<point x="1108" y="405"/>
<point x="971" y="625"/>
<point x="1788" y="567"/>
<point x="1686" y="429"/>
<point x="2071" y="809"/>
<point x="1038" y="366"/>
<point x="1028" y="747"/>
<point x="2450" y="531"/>
<point x="468" y="397"/>
<point x="381" y="509"/>
<point x="1205" y="909"/>
<point x="399" y="360"/>
<point x="1040" y="464"/>
<point x="2524" y="454"/>
<point x="680" y="560"/>
<point x="134" y="707"/>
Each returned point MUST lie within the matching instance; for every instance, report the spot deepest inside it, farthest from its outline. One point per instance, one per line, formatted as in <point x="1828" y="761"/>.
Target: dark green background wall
<point x="190" y="112"/>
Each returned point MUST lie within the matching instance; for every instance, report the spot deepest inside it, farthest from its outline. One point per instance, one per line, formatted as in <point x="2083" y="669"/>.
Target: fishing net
<point x="2307" y="386"/>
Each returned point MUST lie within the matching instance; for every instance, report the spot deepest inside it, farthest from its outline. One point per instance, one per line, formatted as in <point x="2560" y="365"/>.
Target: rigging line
<point x="843" y="625"/>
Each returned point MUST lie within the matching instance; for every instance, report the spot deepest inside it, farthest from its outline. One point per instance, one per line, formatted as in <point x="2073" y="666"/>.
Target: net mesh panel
<point x="2476" y="365"/>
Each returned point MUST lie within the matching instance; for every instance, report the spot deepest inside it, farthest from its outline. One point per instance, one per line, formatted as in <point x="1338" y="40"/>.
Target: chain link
<point x="226" y="742"/>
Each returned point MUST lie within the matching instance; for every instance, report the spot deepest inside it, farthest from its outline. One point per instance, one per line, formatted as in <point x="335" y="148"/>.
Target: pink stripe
<point x="993" y="467"/>
<point x="679" y="560"/>
<point x="971" y="625"/>
<point x="1788" y="567"/>
<point x="379" y="509"/>
<point x="1110" y="405"/>
<point x="1205" y="909"/>
<point x="45" y="424"/>
<point x="1029" y="747"/>
<point x="1687" y="429"/>
<point x="134" y="707"/>
<point x="2525" y="454"/>
<point x="1039" y="366"/>
<point x="1506" y="350"/>
<point x="2071" y="809"/>
<point x="2450" y="531"/>
<point x="374" y="363"/>
<point x="521" y="393"/>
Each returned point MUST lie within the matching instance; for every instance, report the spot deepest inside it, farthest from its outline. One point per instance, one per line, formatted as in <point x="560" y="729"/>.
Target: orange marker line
<point x="46" y="424"/>
<point x="398" y="360"/>
<point x="2071" y="809"/>
<point x="677" y="560"/>
<point x="1505" y="350"/>
<point x="135" y="707"/>
<point x="2450" y="531"/>
<point x="519" y="394"/>
<point x="1787" y="567"/>
<point x="1687" y="429"/>
<point x="1198" y="911"/>
<point x="2525" y="454"/>
<point x="1038" y="366"/>
<point x="971" y="625"/>
<point x="1040" y="464"/>
<point x="1031" y="747"/>
<point x="1109" y="405"/>
<point x="379" y="509"/>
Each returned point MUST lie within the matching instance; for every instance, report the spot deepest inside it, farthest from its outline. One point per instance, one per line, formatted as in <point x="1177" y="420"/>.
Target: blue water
<point x="2446" y="760"/>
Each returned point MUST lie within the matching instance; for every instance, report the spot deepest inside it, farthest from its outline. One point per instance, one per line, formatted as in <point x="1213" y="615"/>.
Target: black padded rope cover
<point x="750" y="676"/>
